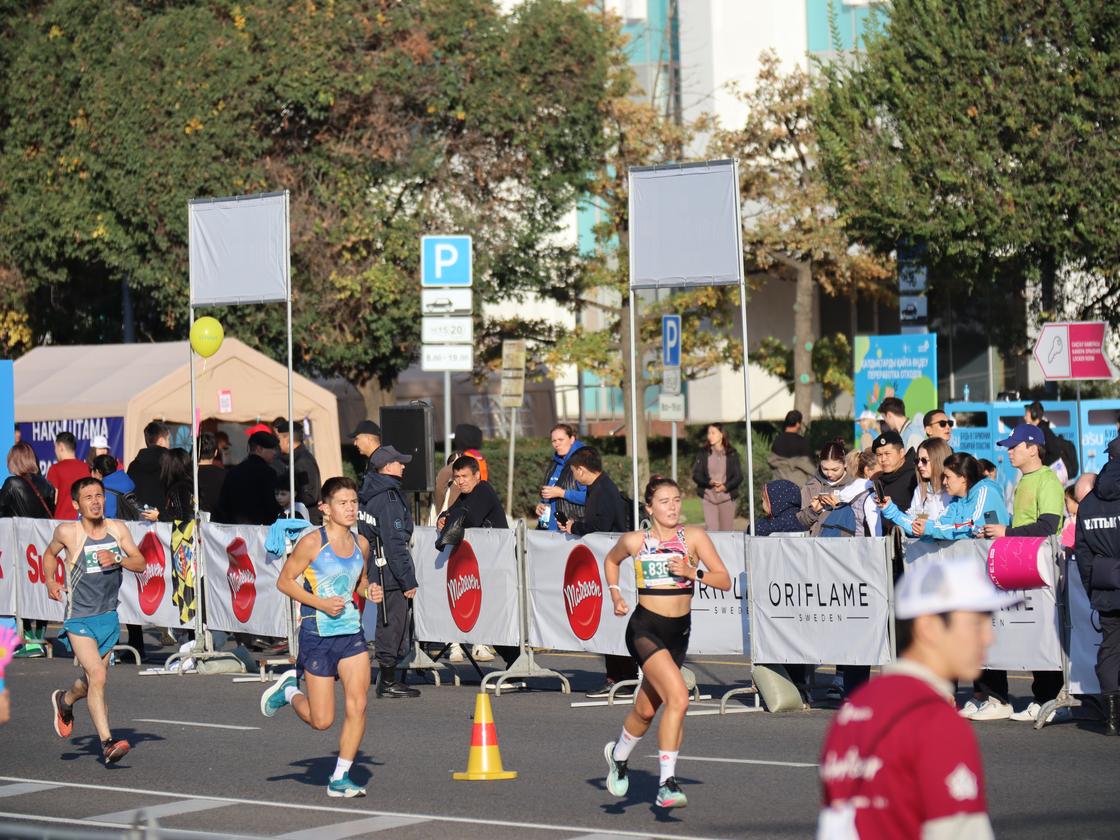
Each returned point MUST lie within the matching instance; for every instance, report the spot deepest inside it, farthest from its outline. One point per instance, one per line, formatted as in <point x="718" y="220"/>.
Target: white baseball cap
<point x="99" y="442"/>
<point x="868" y="415"/>
<point x="940" y="586"/>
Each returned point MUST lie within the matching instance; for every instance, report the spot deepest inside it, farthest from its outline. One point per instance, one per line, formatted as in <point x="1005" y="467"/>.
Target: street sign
<point x="671" y="340"/>
<point x="513" y="373"/>
<point x="452" y="330"/>
<point x="445" y="301"/>
<point x="671" y="407"/>
<point x="671" y="381"/>
<point x="445" y="261"/>
<point x="446" y="357"/>
<point x="1073" y="350"/>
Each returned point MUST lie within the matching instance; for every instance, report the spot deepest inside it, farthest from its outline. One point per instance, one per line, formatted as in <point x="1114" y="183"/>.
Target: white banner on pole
<point x="1085" y="636"/>
<point x="8" y="558"/>
<point x="468" y="594"/>
<point x="1026" y="636"/>
<point x="819" y="600"/>
<point x="241" y="593"/>
<point x="570" y="608"/>
<point x="32" y="536"/>
<point x="684" y="225"/>
<point x="238" y="249"/>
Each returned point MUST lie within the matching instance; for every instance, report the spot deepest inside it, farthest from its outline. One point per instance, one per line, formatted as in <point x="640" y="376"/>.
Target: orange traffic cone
<point x="484" y="761"/>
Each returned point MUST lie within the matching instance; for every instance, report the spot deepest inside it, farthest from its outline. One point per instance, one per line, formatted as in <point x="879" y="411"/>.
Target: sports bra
<point x="651" y="566"/>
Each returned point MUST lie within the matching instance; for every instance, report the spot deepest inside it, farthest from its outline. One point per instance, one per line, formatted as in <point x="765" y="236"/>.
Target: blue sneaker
<point x="273" y="700"/>
<point x="344" y="787"/>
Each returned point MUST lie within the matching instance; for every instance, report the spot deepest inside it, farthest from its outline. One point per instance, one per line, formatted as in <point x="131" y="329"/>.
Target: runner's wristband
<point x="614" y="586"/>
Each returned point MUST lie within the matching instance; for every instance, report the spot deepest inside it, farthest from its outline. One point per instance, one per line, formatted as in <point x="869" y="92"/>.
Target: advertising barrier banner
<point x="1026" y="636"/>
<point x="468" y="594"/>
<point x="241" y="593"/>
<point x="570" y="608"/>
<point x="8" y="567"/>
<point x="820" y="600"/>
<point x="1085" y="636"/>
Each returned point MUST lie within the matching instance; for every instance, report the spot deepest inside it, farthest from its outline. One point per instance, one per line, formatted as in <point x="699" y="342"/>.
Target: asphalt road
<point x="205" y="760"/>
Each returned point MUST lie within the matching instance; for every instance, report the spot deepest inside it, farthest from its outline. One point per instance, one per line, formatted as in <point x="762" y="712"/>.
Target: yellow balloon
<point x="206" y="336"/>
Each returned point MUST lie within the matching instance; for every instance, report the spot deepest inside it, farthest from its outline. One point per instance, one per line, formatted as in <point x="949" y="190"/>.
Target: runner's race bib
<point x="89" y="553"/>
<point x="653" y="571"/>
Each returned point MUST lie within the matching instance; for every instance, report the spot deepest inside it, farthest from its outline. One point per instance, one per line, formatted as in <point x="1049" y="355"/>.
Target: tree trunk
<point x="639" y="444"/>
<point x="374" y="397"/>
<point x="803" y="341"/>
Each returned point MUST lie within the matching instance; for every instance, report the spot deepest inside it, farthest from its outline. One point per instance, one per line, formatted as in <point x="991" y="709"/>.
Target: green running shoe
<point x="617" y="783"/>
<point x="273" y="700"/>
<point x="344" y="787"/>
<point x="670" y="795"/>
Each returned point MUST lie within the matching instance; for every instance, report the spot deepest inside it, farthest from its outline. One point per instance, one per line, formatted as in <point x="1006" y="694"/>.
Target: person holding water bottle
<point x="561" y="493"/>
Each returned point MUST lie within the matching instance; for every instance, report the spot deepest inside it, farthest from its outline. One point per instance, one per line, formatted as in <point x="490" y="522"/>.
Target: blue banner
<point x="40" y="434"/>
<point x="7" y="413"/>
<point x="903" y="366"/>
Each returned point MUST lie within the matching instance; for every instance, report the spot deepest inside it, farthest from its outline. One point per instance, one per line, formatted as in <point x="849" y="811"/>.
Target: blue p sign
<point x="671" y="340"/>
<point x="445" y="261"/>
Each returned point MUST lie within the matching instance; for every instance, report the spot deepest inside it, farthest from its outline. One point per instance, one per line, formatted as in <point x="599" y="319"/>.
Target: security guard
<point x="385" y="518"/>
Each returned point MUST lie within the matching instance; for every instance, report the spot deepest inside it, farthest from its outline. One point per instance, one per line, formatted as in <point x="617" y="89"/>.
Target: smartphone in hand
<point x="880" y="494"/>
<point x="991" y="518"/>
<point x="561" y="518"/>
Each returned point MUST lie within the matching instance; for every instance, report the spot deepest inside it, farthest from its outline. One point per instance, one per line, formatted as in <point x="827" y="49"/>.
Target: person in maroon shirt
<point x="64" y="473"/>
<point x="898" y="761"/>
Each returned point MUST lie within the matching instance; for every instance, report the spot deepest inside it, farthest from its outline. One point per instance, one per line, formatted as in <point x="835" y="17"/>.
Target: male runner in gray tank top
<point x="96" y="549"/>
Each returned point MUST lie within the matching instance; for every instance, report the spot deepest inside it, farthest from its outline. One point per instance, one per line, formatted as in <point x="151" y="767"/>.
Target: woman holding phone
<point x="821" y="493"/>
<point x="976" y="502"/>
<point x="668" y="560"/>
<point x="930" y="499"/>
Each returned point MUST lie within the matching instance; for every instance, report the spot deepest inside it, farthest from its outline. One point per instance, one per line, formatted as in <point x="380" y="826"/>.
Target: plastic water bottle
<point x="966" y="393"/>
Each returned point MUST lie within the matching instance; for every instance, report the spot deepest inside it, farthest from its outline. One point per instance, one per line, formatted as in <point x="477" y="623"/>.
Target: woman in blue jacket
<point x="975" y="499"/>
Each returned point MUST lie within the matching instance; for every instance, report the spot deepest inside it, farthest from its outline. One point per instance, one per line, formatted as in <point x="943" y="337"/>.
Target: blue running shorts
<point x="104" y="628"/>
<point x="320" y="655"/>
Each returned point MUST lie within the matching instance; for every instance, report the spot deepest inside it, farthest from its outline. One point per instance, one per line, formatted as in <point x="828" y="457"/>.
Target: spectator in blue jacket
<point x="117" y="484"/>
<point x="560" y="491"/>
<point x="975" y="500"/>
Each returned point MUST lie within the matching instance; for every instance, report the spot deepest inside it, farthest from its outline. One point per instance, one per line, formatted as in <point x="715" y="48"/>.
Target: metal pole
<point x="634" y="404"/>
<point x="509" y="483"/>
<point x="991" y="375"/>
<point x="746" y="361"/>
<point x="1080" y="440"/>
<point x="194" y="421"/>
<point x="673" y="450"/>
<point x="291" y="398"/>
<point x="446" y="414"/>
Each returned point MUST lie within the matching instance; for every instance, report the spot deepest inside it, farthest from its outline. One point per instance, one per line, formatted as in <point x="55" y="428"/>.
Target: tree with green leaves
<point x="791" y="229"/>
<point x="385" y="119"/>
<point x="985" y="130"/>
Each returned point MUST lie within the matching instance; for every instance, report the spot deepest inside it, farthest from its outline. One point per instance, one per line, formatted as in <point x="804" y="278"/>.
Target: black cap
<point x="281" y="426"/>
<point x="264" y="440"/>
<point x="886" y="439"/>
<point x="367" y="427"/>
<point x="386" y="455"/>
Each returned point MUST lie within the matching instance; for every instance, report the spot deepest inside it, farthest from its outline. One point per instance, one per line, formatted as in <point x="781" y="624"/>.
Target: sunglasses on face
<point x="944" y="424"/>
<point x="923" y="461"/>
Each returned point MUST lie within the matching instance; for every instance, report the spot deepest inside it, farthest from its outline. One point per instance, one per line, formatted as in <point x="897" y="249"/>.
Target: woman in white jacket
<point x="930" y="498"/>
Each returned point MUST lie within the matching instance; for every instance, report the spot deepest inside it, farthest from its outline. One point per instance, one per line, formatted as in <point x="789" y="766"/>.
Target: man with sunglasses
<point x="938" y="425"/>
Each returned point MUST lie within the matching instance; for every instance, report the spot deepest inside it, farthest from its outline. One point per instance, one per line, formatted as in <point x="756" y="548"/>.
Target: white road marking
<point x="741" y="761"/>
<point x="70" y="821"/>
<point x="21" y="789"/>
<point x="167" y="809"/>
<point x="597" y="837"/>
<point x="300" y="806"/>
<point x="193" y="723"/>
<point x="342" y="830"/>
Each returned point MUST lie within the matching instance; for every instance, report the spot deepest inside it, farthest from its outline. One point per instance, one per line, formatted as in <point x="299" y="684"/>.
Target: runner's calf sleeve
<point x="625" y="745"/>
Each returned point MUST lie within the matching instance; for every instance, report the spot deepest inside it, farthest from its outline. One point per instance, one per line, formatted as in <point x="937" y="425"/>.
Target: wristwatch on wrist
<point x="699" y="574"/>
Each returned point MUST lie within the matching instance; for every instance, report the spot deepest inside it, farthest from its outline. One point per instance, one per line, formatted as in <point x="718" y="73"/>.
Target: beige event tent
<point x="145" y="382"/>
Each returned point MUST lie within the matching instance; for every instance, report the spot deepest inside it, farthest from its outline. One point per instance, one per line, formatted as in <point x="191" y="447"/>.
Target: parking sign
<point x="445" y="261"/>
<point x="671" y="340"/>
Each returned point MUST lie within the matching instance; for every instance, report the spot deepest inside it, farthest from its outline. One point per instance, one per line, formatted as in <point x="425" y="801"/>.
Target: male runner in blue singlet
<point x="331" y="561"/>
<point x="96" y="549"/>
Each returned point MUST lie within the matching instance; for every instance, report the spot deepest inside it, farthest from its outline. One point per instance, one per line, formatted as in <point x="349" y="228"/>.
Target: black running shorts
<point x="647" y="633"/>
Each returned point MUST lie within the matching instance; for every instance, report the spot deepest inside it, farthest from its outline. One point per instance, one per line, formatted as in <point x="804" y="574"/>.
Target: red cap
<point x="260" y="427"/>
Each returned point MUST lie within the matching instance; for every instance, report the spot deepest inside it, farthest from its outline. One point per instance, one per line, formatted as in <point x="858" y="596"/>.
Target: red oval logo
<point x="242" y="579"/>
<point x="150" y="582"/>
<point x="464" y="587"/>
<point x="583" y="592"/>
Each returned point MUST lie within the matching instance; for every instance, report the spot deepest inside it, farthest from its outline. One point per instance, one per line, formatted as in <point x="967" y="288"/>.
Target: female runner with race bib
<point x="667" y="563"/>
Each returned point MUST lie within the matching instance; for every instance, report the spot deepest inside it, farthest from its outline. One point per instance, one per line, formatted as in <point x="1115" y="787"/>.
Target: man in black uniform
<point x="1097" y="548"/>
<point x="249" y="491"/>
<point x="384" y="518"/>
<point x="605" y="511"/>
<point x="307" y="468"/>
<point x="898" y="476"/>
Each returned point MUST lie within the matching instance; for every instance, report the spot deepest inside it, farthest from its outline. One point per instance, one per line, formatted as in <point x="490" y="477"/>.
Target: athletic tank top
<point x="329" y="576"/>
<point x="93" y="589"/>
<point x="651" y="566"/>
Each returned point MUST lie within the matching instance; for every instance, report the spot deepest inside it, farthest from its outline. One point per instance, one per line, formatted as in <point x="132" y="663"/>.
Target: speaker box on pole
<point x="409" y="429"/>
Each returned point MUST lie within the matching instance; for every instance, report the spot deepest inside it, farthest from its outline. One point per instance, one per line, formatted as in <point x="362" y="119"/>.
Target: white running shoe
<point x="970" y="708"/>
<point x="481" y="653"/>
<point x="992" y="709"/>
<point x="455" y="653"/>
<point x="1031" y="713"/>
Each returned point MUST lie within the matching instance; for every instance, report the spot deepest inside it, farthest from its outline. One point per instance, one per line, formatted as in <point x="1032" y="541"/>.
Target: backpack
<point x="840" y="522"/>
<point x="1068" y="453"/>
<point x="128" y="508"/>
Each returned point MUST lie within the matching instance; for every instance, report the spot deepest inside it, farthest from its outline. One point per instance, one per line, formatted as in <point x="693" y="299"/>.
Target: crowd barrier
<point x="792" y="601"/>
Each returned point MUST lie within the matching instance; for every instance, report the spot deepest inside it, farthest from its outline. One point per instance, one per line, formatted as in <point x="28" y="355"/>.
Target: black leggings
<point x="647" y="633"/>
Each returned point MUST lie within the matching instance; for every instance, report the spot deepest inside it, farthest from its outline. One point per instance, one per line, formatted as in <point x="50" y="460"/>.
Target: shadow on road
<point x="316" y="771"/>
<point x="90" y="745"/>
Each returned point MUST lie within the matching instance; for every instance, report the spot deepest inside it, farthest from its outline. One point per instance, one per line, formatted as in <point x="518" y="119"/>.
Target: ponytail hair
<point x="656" y="481"/>
<point x="836" y="450"/>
